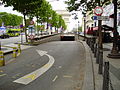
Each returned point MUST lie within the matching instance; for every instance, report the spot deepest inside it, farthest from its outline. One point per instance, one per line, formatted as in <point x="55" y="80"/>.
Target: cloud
<point x="9" y="10"/>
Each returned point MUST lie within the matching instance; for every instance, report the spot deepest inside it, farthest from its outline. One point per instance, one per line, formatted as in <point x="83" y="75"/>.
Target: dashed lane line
<point x="55" y="78"/>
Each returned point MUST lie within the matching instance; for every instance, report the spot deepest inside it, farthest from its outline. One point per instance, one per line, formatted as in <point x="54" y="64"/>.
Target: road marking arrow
<point x="37" y="73"/>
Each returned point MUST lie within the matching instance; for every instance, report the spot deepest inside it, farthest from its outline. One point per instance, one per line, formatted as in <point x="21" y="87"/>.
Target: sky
<point x="56" y="5"/>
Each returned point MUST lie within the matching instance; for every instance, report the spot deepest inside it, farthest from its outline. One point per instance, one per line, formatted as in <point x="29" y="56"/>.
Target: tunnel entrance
<point x="67" y="38"/>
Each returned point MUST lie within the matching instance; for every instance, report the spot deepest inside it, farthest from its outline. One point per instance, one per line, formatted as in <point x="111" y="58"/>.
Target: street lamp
<point x="76" y="18"/>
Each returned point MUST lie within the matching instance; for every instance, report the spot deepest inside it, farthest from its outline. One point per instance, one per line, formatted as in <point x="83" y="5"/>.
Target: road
<point x="55" y="65"/>
<point x="12" y="40"/>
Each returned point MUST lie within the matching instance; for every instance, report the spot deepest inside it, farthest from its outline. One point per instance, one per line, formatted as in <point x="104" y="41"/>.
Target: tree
<point x="10" y="19"/>
<point x="80" y="29"/>
<point x="23" y="6"/>
<point x="84" y="5"/>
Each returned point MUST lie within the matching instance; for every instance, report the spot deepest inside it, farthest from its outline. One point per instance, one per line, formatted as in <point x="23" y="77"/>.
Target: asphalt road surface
<point x="12" y="40"/>
<point x="51" y="66"/>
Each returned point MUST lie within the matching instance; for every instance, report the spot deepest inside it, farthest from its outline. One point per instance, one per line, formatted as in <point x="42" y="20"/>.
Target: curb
<point x="89" y="81"/>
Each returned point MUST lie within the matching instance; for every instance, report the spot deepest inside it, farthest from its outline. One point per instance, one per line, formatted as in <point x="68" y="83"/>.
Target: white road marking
<point x="55" y="78"/>
<point x="66" y="76"/>
<point x="60" y="66"/>
<point x="35" y="74"/>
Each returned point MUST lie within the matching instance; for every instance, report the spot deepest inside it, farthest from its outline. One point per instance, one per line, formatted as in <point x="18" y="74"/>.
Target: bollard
<point x="19" y="48"/>
<point x="97" y="55"/>
<point x="95" y="49"/>
<point x="100" y="69"/>
<point x="14" y="52"/>
<point x="2" y="60"/>
<point x="106" y="78"/>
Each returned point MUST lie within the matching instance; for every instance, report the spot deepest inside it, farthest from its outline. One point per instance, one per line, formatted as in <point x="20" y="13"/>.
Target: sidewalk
<point x="93" y="80"/>
<point x="114" y="66"/>
<point x="114" y="69"/>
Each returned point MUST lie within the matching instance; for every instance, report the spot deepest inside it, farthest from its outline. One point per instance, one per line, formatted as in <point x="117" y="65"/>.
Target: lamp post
<point x="76" y="18"/>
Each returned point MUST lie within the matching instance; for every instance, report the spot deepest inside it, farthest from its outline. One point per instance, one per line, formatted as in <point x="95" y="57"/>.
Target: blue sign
<point x="95" y="18"/>
<point x="2" y="30"/>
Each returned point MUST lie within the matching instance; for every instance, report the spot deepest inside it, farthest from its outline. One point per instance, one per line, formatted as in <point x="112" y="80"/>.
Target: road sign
<point x="31" y="26"/>
<point x="103" y="18"/>
<point x="98" y="11"/>
<point x="21" y="26"/>
<point x="31" y="36"/>
<point x="94" y="18"/>
<point x="31" y="22"/>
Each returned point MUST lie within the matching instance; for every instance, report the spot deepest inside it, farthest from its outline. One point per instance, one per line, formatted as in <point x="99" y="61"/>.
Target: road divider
<point x="14" y="52"/>
<point x="19" y="48"/>
<point x="2" y="60"/>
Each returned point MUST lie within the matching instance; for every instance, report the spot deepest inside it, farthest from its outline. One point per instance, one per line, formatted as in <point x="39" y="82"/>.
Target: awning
<point x="91" y="30"/>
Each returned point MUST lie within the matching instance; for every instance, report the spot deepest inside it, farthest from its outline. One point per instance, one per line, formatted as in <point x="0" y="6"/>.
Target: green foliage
<point x="80" y="29"/>
<point x="41" y="9"/>
<point x="84" y="5"/>
<point x="10" y="19"/>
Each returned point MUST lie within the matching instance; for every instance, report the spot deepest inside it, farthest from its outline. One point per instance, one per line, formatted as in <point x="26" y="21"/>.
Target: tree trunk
<point x="114" y="48"/>
<point x="37" y="27"/>
<point x="41" y="30"/>
<point x="25" y="28"/>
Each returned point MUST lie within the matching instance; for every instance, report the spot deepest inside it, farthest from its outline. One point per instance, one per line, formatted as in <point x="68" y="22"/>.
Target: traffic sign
<point x="21" y="26"/>
<point x="94" y="18"/>
<point x="31" y="37"/>
<point x="31" y="22"/>
<point x="31" y="26"/>
<point x="103" y="18"/>
<point x="98" y="11"/>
